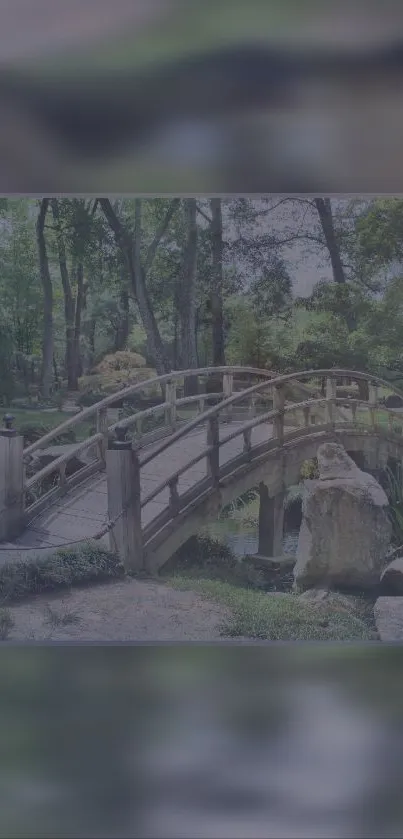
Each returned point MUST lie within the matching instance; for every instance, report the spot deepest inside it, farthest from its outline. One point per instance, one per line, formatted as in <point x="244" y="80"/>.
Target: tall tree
<point x="186" y="297"/>
<point x="47" y="340"/>
<point x="216" y="299"/>
<point x="69" y="301"/>
<point x="131" y="248"/>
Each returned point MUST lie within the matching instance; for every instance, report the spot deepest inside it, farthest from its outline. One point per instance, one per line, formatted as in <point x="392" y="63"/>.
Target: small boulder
<point x="391" y="582"/>
<point x="345" y="530"/>
<point x="388" y="614"/>
<point x="394" y="401"/>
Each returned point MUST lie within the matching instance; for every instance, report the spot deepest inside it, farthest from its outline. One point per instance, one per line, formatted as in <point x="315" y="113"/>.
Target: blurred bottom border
<point x="195" y="741"/>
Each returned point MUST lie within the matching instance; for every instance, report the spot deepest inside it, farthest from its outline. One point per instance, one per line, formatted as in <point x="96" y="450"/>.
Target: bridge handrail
<point x="248" y="426"/>
<point x="275" y="382"/>
<point x="105" y="403"/>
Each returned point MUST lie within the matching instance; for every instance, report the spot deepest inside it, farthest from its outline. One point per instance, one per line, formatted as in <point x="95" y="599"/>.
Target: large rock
<point x="392" y="578"/>
<point x="345" y="530"/>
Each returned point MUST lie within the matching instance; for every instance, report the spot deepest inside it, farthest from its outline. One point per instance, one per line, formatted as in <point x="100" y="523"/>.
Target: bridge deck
<point x="81" y="513"/>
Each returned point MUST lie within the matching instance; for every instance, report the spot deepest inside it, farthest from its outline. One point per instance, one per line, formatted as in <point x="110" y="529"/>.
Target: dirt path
<point x="129" y="610"/>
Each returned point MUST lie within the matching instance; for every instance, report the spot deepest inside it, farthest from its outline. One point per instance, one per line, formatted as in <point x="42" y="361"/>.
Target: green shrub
<point x="309" y="469"/>
<point x="87" y="563"/>
<point x="32" y="432"/>
<point x="393" y="485"/>
<point x="6" y="624"/>
<point x="203" y="557"/>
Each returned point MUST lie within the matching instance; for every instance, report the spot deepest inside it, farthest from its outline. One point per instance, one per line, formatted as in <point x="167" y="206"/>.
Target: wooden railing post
<point x="124" y="504"/>
<point x="63" y="477"/>
<point x="213" y="458"/>
<point x="278" y="405"/>
<point x="170" y="397"/>
<point x="252" y="407"/>
<point x="307" y="414"/>
<point x="174" y="500"/>
<point x="373" y="401"/>
<point x="11" y="483"/>
<point x="330" y="396"/>
<point x="228" y="389"/>
<point x="247" y="441"/>
<point x="102" y="428"/>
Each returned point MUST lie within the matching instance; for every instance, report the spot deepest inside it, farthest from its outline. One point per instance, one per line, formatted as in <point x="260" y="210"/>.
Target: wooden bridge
<point x="146" y="491"/>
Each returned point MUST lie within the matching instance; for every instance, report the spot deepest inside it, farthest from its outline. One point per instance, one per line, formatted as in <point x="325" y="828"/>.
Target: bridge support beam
<point x="11" y="485"/>
<point x="124" y="505"/>
<point x="271" y="522"/>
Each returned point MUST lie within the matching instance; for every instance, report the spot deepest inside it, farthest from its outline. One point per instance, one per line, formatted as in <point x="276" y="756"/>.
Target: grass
<point x="6" y="624"/>
<point x="88" y="563"/>
<point x="46" y="421"/>
<point x="281" y="617"/>
<point x="56" y="619"/>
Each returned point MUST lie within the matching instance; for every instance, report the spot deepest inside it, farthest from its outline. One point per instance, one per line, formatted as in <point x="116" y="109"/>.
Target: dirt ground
<point x="129" y="610"/>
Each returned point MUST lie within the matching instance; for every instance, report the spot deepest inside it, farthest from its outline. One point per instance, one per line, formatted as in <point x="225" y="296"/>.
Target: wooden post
<point x="11" y="485"/>
<point x="123" y="481"/>
<point x="228" y="388"/>
<point x="252" y="406"/>
<point x="247" y="441"/>
<point x="278" y="405"/>
<point x="213" y="439"/>
<point x="307" y="413"/>
<point x="330" y="396"/>
<point x="170" y="411"/>
<point x="174" y="499"/>
<point x="102" y="428"/>
<point x="271" y="522"/>
<point x="373" y="401"/>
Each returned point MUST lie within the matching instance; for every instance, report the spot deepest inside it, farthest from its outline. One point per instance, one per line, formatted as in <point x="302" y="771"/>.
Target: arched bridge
<point x="148" y="489"/>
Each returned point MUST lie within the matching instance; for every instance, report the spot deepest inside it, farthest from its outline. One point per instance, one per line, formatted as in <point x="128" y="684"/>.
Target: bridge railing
<point x="93" y="450"/>
<point x="277" y="387"/>
<point x="330" y="418"/>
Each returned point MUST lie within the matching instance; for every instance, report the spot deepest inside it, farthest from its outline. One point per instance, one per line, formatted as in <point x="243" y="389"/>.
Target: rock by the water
<point x="345" y="530"/>
<point x="394" y="401"/>
<point x="392" y="578"/>
<point x="388" y="614"/>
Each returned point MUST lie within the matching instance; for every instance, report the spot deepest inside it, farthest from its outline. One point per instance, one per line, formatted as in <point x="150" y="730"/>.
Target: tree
<point x="47" y="340"/>
<point x="216" y="302"/>
<point x="130" y="244"/>
<point x="186" y="296"/>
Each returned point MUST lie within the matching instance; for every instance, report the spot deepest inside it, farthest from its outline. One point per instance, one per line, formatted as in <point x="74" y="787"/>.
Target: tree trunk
<point x="80" y="303"/>
<point x="137" y="274"/>
<point x="123" y="327"/>
<point x="217" y="283"/>
<point x="175" y="353"/>
<point x="325" y="214"/>
<point x="187" y="305"/>
<point x="324" y="208"/>
<point x="47" y="340"/>
<point x="56" y="372"/>
<point x="215" y="383"/>
<point x="69" y="307"/>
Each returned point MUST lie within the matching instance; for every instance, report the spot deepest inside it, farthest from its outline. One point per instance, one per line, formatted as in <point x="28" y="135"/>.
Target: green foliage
<point x="85" y="564"/>
<point x="6" y="624"/>
<point x="309" y="470"/>
<point x="281" y="616"/>
<point x="394" y="491"/>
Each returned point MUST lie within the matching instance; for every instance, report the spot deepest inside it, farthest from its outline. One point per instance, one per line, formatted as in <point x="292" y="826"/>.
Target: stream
<point x="243" y="540"/>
